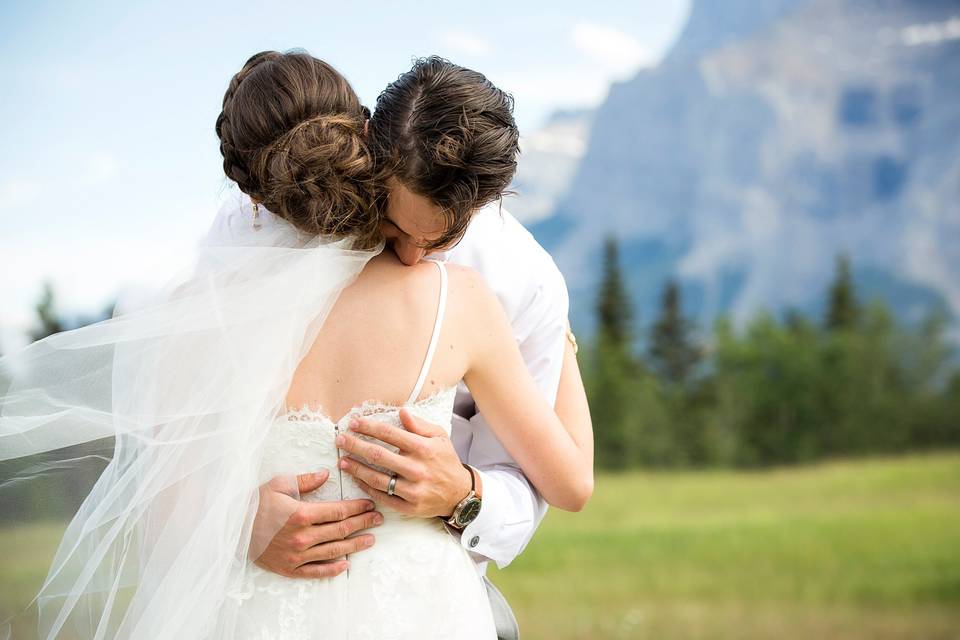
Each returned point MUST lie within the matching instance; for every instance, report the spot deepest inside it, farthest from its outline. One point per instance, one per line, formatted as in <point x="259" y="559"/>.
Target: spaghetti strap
<point x="441" y="306"/>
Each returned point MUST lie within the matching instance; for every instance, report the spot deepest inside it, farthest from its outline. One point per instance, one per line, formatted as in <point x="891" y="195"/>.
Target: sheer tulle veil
<point x="180" y="390"/>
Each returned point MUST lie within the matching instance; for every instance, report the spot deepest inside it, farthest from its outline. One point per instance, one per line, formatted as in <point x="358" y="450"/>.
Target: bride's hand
<point x="431" y="480"/>
<point x="314" y="535"/>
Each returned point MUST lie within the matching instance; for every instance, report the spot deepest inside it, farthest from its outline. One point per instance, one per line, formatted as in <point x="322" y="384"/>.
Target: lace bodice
<point x="304" y="439"/>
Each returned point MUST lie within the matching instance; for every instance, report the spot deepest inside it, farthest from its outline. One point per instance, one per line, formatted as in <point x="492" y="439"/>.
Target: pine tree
<point x="615" y="370"/>
<point x="673" y="353"/>
<point x="614" y="312"/>
<point x="797" y="323"/>
<point x="843" y="310"/>
<point x="48" y="321"/>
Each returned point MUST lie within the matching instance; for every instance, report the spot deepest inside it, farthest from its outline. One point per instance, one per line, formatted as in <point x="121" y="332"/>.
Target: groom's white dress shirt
<point x="534" y="294"/>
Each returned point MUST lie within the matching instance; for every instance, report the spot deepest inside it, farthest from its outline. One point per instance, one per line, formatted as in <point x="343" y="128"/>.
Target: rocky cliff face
<point x="774" y="136"/>
<point x="548" y="159"/>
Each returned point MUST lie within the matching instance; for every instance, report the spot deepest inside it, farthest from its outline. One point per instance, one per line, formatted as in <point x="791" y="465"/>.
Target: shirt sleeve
<point x="512" y="509"/>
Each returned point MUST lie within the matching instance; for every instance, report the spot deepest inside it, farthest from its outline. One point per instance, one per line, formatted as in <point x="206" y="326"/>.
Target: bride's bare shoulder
<point x="470" y="294"/>
<point x="465" y="279"/>
<point x="466" y="289"/>
<point x="395" y="284"/>
<point x="387" y="268"/>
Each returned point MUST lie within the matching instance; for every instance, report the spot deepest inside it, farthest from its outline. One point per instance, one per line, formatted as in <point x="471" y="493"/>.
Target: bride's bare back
<point x="373" y="343"/>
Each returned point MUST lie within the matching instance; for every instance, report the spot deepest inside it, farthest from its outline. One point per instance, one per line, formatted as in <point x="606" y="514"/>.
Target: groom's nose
<point x="408" y="251"/>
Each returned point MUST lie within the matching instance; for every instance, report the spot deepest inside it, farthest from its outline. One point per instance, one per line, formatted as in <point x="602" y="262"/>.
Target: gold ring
<point x="572" y="339"/>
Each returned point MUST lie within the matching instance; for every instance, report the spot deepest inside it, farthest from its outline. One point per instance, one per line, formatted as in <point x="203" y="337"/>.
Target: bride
<point x="287" y="331"/>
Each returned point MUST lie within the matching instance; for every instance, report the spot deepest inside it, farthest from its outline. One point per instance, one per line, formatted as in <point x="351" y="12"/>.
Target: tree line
<point x="773" y="391"/>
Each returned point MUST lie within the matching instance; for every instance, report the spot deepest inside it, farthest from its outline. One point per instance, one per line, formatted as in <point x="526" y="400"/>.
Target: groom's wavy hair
<point x="446" y="133"/>
<point x="292" y="137"/>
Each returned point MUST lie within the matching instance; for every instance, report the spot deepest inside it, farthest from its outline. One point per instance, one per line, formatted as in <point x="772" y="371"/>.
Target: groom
<point x="445" y="138"/>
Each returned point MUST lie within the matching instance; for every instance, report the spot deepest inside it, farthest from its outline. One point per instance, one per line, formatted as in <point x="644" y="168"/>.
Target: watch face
<point x="469" y="512"/>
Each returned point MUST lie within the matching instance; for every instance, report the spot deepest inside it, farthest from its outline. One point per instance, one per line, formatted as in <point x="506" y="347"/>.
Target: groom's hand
<point x="431" y="480"/>
<point x="314" y="538"/>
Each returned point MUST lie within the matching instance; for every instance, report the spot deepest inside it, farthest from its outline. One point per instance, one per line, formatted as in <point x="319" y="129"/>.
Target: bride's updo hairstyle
<point x="292" y="137"/>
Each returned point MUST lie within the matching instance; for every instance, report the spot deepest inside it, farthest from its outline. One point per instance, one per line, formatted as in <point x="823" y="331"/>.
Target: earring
<point x="256" y="216"/>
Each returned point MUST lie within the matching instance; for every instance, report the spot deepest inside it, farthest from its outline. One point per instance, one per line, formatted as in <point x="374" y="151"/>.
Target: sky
<point x="110" y="170"/>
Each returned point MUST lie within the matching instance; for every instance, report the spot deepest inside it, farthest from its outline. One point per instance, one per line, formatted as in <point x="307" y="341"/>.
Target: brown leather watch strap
<point x="477" y="481"/>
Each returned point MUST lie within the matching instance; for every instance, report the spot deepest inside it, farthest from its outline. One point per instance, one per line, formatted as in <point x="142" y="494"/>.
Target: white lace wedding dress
<point x="416" y="582"/>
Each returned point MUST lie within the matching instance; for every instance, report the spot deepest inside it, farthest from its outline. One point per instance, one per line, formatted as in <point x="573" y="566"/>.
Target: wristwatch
<point x="467" y="509"/>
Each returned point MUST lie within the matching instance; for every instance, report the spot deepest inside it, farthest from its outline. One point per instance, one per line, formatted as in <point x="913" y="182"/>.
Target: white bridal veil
<point x="183" y="388"/>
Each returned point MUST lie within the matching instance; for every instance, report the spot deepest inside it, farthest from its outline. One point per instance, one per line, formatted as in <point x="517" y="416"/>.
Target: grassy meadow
<point x="846" y="549"/>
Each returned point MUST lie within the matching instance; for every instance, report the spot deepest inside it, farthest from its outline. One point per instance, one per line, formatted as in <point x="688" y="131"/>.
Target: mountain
<point x="774" y="136"/>
<point x="548" y="159"/>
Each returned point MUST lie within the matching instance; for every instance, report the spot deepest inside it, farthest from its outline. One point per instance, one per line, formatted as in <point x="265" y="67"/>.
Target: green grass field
<point x="859" y="549"/>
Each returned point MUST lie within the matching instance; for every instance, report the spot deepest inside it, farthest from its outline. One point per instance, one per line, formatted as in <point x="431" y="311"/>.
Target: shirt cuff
<point x="486" y="534"/>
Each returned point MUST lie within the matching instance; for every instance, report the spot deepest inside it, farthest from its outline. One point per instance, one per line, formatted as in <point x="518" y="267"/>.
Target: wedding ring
<point x="391" y="485"/>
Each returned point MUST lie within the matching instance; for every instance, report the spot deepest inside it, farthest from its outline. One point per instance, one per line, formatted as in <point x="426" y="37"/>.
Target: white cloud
<point x="615" y="49"/>
<point x="17" y="192"/>
<point x="462" y="42"/>
<point x="931" y="32"/>
<point x="97" y="169"/>
<point x="545" y="89"/>
<point x="67" y="75"/>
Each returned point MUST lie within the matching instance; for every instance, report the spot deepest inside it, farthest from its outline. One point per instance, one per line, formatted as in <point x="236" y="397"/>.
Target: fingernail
<point x="369" y="506"/>
<point x="343" y="463"/>
<point x="368" y="542"/>
<point x="378" y="519"/>
<point x="354" y="423"/>
<point x="339" y="440"/>
<point x="319" y="475"/>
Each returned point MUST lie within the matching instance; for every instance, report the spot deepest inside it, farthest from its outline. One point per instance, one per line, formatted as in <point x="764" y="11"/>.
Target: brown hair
<point x="448" y="134"/>
<point x="292" y="137"/>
